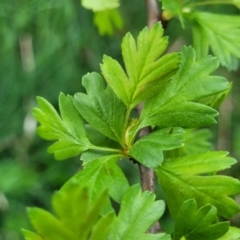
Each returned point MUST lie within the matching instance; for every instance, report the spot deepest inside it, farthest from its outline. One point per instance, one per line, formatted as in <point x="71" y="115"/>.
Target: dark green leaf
<point x="198" y="224"/>
<point x="67" y="129"/>
<point x="147" y="73"/>
<point x="101" y="108"/>
<point x="148" y="150"/>
<point x="173" y="106"/>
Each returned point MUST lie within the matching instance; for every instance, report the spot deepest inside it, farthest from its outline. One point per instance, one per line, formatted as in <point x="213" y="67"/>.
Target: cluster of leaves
<point x="218" y="32"/>
<point x="101" y="126"/>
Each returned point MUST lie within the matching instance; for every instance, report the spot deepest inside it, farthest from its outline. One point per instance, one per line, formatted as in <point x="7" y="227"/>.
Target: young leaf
<point x="67" y="129"/>
<point x="138" y="212"/>
<point x="173" y="105"/>
<point x="197" y="224"/>
<point x="101" y="108"/>
<point x="205" y="189"/>
<point x="100" y="174"/>
<point x="147" y="72"/>
<point x="48" y="226"/>
<point x="100" y="5"/>
<point x="107" y="21"/>
<point x="232" y="234"/>
<point x="219" y="32"/>
<point x="78" y="216"/>
<point x="148" y="150"/>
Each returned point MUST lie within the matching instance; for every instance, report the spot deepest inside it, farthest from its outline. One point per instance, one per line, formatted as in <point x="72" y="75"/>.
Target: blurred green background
<point x="46" y="47"/>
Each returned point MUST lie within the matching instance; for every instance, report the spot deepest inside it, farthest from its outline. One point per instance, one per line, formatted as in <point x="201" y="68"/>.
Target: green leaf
<point x="232" y="234"/>
<point x="67" y="129"/>
<point x="173" y="105"/>
<point x="205" y="189"/>
<point x="107" y="21"/>
<point x="138" y="212"/>
<point x="48" y="226"/>
<point x="208" y="162"/>
<point x="101" y="108"/>
<point x="78" y="216"/>
<point x="146" y="71"/>
<point x="100" y="174"/>
<point x="100" y="5"/>
<point x="148" y="150"/>
<point x="197" y="224"/>
<point x="28" y="235"/>
<point x="195" y="141"/>
<point x="102" y="228"/>
<point x="218" y="32"/>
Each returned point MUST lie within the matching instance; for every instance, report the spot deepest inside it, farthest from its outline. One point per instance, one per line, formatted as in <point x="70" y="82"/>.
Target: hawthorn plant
<point x="100" y="126"/>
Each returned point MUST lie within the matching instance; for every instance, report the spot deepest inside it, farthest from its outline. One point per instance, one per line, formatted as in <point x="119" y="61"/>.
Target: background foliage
<point x="66" y="45"/>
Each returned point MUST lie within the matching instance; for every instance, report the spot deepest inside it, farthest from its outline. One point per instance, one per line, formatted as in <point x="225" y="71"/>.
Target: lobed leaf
<point x="197" y="224"/>
<point x="78" y="216"/>
<point x="204" y="189"/>
<point x="101" y="108"/>
<point x="149" y="149"/>
<point x="67" y="129"/>
<point x="146" y="71"/>
<point x="174" y="106"/>
<point x="218" y="32"/>
<point x="100" y="174"/>
<point x="137" y="213"/>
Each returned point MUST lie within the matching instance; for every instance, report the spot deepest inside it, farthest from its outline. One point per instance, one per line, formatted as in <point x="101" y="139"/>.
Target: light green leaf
<point x="100" y="5"/>
<point x="48" y="226"/>
<point x="148" y="150"/>
<point x="208" y="162"/>
<point x="220" y="33"/>
<point x="28" y="235"/>
<point x="67" y="129"/>
<point x="100" y="174"/>
<point x="78" y="216"/>
<point x="232" y="234"/>
<point x="138" y="212"/>
<point x="204" y="189"/>
<point x="107" y="21"/>
<point x="102" y="228"/>
<point x="101" y="108"/>
<point x="173" y="105"/>
<point x="146" y="71"/>
<point x="198" y="224"/>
